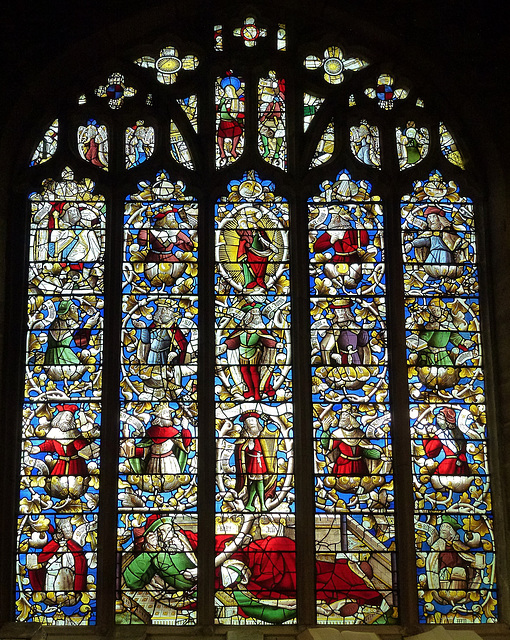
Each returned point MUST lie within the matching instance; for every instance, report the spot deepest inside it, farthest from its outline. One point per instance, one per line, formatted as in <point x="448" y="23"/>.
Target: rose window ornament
<point x="249" y="32"/>
<point x="169" y="64"/>
<point x="115" y="91"/>
<point x="385" y="92"/>
<point x="334" y="64"/>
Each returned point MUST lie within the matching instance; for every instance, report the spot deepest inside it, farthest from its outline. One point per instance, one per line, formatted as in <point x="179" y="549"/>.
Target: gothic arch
<point x="477" y="185"/>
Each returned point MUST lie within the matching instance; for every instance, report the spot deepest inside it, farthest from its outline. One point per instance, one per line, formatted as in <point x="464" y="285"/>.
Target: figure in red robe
<point x="263" y="569"/>
<point x="343" y="246"/>
<point x="449" y="440"/>
<point x="253" y="253"/>
<point x="256" y="347"/>
<point x="348" y="448"/>
<point x="61" y="564"/>
<point x="344" y="242"/>
<point x="254" y="463"/>
<point x="69" y="474"/>
<point x="164" y="238"/>
<point x="65" y="440"/>
<point x="266" y="569"/>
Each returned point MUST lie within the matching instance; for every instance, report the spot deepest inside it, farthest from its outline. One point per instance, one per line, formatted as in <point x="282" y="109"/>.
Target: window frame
<point x="15" y="337"/>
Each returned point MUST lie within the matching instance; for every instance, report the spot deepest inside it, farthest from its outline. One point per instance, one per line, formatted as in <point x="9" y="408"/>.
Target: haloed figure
<point x="231" y="115"/>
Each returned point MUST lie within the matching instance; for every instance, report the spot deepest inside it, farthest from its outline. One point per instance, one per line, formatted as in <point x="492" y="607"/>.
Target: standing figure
<point x="61" y="565"/>
<point x="162" y="342"/>
<point x="255" y="473"/>
<point x="348" y="448"/>
<point x="345" y="249"/>
<point x="93" y="142"/>
<point x="364" y="143"/>
<point x="139" y="144"/>
<point x="255" y="346"/>
<point x="231" y="117"/>
<point x="439" y="248"/>
<point x="447" y="438"/>
<point x="253" y="253"/>
<point x="345" y="342"/>
<point x="272" y="122"/>
<point x="412" y="147"/>
<point x="163" y="451"/>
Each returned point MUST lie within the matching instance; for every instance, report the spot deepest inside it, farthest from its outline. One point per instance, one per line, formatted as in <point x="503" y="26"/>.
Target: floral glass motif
<point x="93" y="143"/>
<point x="255" y="549"/>
<point x="449" y="147"/>
<point x="179" y="147"/>
<point x="365" y="144"/>
<point x="454" y="532"/>
<point x="354" y="529"/>
<point x="272" y="141"/>
<point x="311" y="104"/>
<point x="116" y="91"/>
<point x="169" y="64"/>
<point x="157" y="500"/>
<point x="249" y="32"/>
<point x="59" y="486"/>
<point x="334" y="64"/>
<point x="385" y="92"/>
<point x="47" y="146"/>
<point x="139" y="144"/>
<point x="412" y="144"/>
<point x="190" y="107"/>
<point x="325" y="147"/>
<point x="230" y="123"/>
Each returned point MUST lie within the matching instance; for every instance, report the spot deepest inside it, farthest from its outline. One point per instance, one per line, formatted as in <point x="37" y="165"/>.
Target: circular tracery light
<point x="114" y="91"/>
<point x="169" y="64"/>
<point x="250" y="32"/>
<point x="333" y="66"/>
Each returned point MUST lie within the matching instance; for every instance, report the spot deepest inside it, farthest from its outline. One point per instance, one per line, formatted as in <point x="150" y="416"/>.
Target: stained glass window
<point x="251" y="422"/>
